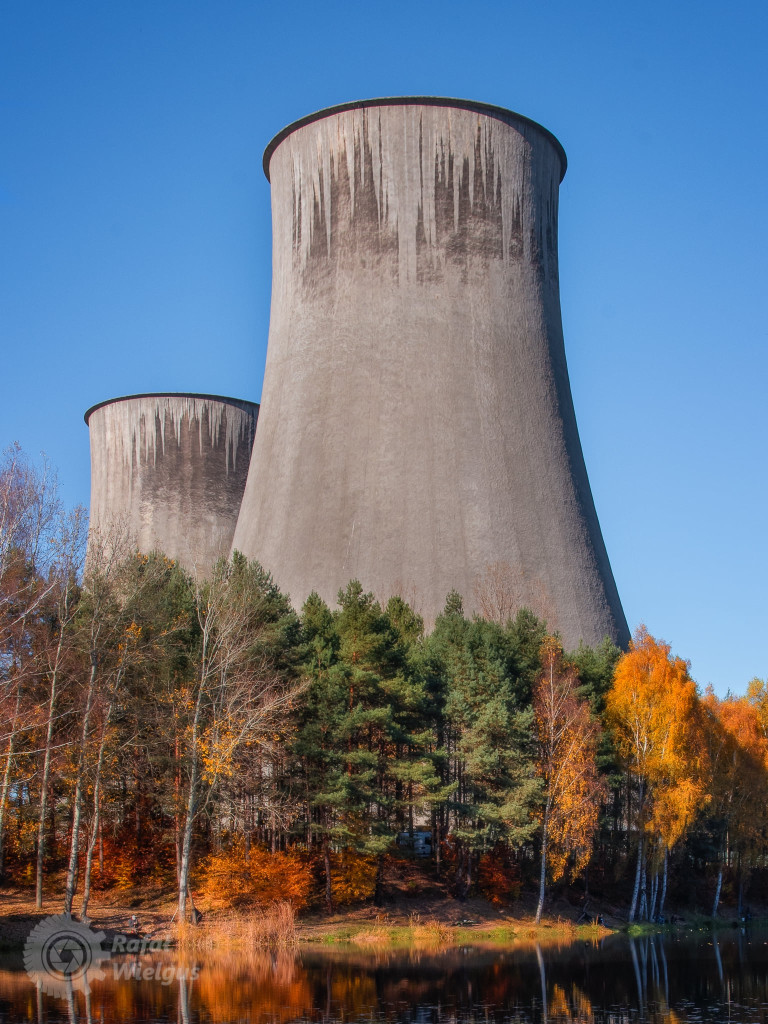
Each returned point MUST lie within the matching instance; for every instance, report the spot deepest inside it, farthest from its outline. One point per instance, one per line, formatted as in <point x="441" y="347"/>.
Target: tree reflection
<point x="656" y="979"/>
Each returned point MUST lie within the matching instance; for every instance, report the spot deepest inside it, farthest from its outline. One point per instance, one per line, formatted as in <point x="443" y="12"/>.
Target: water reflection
<point x="709" y="978"/>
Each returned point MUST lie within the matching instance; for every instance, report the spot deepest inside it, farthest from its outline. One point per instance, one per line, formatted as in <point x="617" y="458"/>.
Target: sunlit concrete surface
<point x="416" y="428"/>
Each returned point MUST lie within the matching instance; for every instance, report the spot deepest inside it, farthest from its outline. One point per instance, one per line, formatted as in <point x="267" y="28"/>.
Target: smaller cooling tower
<point x="168" y="473"/>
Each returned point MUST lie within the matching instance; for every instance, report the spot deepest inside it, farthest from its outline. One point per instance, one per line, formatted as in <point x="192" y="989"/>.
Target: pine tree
<point x="488" y="732"/>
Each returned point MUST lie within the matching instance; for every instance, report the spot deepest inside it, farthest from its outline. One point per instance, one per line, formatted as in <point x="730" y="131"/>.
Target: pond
<point x="702" y="978"/>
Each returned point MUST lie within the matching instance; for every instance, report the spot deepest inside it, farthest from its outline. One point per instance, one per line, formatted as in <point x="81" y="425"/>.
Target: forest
<point x="201" y="737"/>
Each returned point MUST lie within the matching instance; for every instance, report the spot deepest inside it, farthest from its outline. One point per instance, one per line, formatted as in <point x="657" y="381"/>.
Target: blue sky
<point x="135" y="242"/>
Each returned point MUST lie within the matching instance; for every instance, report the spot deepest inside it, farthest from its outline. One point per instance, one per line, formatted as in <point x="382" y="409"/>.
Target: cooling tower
<point x="417" y="430"/>
<point x="168" y="473"/>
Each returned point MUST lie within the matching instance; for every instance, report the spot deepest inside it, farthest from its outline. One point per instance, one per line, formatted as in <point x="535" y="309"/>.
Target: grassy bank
<point x="434" y="934"/>
<point x="278" y="928"/>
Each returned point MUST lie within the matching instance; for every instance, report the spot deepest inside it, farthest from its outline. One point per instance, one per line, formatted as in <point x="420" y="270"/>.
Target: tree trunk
<point x="328" y="887"/>
<point x="3" y="799"/>
<point x="654" y="893"/>
<point x="65" y="619"/>
<point x="89" y="854"/>
<point x="71" y="883"/>
<point x="7" y="777"/>
<point x="664" y="883"/>
<point x="636" y="890"/>
<point x="643" y="915"/>
<point x="186" y="839"/>
<point x="718" y="887"/>
<point x="177" y="805"/>
<point x="462" y="870"/>
<point x="96" y="819"/>
<point x="616" y="818"/>
<point x="44" y="784"/>
<point x="543" y="867"/>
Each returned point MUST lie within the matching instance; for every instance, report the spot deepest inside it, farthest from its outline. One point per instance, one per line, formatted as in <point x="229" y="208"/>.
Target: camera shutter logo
<point x="62" y="954"/>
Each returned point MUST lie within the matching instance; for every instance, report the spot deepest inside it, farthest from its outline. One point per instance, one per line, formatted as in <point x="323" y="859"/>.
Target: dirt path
<point x="18" y="915"/>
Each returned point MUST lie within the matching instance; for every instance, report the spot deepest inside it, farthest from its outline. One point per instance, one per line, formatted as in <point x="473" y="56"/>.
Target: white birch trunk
<point x="636" y="890"/>
<point x="543" y="868"/>
<point x="71" y="883"/>
<point x="664" y="883"/>
<point x="96" y="825"/>
<point x="718" y="887"/>
<point x="186" y="840"/>
<point x="45" y="779"/>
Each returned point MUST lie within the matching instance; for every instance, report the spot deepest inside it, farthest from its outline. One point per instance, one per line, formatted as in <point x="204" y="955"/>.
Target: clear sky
<point x="135" y="241"/>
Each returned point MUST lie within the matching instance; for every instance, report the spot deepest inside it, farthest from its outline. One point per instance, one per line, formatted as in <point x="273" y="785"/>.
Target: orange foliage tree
<point x="240" y="878"/>
<point x="739" y="782"/>
<point x="573" y="790"/>
<point x="655" y="714"/>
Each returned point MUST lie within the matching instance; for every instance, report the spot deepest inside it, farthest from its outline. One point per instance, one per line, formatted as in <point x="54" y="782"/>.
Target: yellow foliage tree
<point x="353" y="877"/>
<point x="654" y="711"/>
<point x="757" y="695"/>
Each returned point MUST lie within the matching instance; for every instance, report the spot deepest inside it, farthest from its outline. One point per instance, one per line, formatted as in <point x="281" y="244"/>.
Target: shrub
<point x="232" y="879"/>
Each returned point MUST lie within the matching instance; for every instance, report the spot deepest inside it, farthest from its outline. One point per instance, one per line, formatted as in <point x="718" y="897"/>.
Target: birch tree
<point x="653" y="709"/>
<point x="240" y="689"/>
<point x="56" y="652"/>
<point x="739" y="785"/>
<point x="29" y="509"/>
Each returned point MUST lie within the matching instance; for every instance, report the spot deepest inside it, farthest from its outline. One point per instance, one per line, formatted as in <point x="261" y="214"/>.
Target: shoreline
<point x="434" y="925"/>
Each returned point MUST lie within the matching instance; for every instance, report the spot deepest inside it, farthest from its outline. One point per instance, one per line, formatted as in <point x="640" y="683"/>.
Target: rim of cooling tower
<point x="168" y="394"/>
<point x="501" y="113"/>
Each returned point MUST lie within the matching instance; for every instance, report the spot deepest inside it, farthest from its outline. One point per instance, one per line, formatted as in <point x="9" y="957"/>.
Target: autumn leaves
<point x="689" y="761"/>
<point x="573" y="789"/>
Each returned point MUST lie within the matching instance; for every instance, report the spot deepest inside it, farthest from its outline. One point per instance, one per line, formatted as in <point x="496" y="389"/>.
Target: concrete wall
<point x="168" y="472"/>
<point x="416" y="427"/>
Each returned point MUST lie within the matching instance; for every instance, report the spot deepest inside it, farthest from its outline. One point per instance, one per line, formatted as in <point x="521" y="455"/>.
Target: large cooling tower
<point x="168" y="473"/>
<point x="417" y="429"/>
